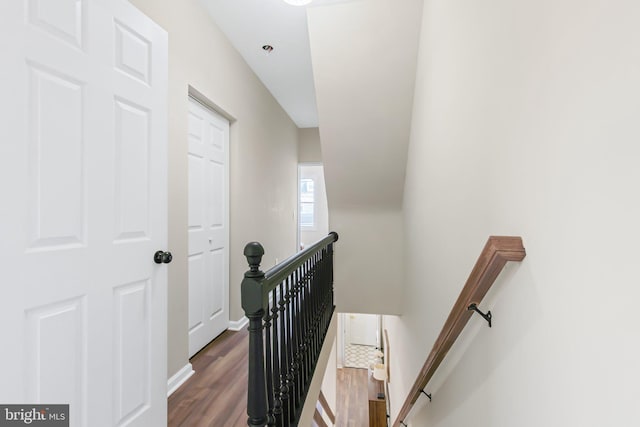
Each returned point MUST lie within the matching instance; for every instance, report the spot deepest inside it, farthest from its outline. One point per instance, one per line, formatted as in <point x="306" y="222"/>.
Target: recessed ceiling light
<point x="298" y="2"/>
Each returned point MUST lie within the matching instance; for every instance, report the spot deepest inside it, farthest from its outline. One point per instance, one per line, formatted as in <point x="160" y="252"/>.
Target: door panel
<point x="63" y="19"/>
<point x="133" y="53"/>
<point x="132" y="308"/>
<point x="363" y="329"/>
<point x="216" y="272"/>
<point x="56" y="347"/>
<point x="83" y="160"/>
<point x="208" y="225"/>
<point x="132" y="170"/>
<point x="197" y="279"/>
<point x="56" y="195"/>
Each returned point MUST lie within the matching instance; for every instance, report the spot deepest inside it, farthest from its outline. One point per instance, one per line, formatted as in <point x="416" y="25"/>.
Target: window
<point x="307" y="203"/>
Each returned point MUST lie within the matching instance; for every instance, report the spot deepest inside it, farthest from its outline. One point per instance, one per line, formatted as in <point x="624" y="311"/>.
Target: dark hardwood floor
<point x="216" y="396"/>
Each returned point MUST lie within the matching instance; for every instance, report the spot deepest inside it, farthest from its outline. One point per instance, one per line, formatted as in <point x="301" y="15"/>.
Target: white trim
<point x="340" y="339"/>
<point x="238" y="325"/>
<point x="179" y="378"/>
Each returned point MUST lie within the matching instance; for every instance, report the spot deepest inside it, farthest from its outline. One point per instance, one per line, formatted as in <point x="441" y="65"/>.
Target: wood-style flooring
<point x="216" y="396"/>
<point x="352" y="398"/>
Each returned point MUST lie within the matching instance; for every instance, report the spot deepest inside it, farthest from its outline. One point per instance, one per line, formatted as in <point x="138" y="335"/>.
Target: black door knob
<point x="161" y="257"/>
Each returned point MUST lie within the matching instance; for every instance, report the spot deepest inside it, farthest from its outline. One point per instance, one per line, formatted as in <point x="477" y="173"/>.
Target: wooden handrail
<point x="494" y="256"/>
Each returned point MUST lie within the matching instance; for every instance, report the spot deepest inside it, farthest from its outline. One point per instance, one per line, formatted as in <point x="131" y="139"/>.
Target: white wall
<point x="364" y="55"/>
<point x="525" y="122"/>
<point x="263" y="165"/>
<point x="309" y="150"/>
<point x="368" y="276"/>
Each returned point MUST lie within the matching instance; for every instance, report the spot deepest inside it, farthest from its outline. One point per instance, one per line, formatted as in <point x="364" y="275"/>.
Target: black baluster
<point x="268" y="362"/>
<point x="296" y="321"/>
<point x="300" y="336"/>
<point x="305" y="328"/>
<point x="303" y="333"/>
<point x="277" y="384"/>
<point x="311" y="336"/>
<point x="318" y="298"/>
<point x="310" y="320"/>
<point x="291" y="349"/>
<point x="315" y="300"/>
<point x="328" y="309"/>
<point x="324" y="293"/>
<point x="284" y="353"/>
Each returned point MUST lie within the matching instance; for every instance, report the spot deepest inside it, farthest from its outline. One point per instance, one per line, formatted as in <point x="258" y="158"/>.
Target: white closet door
<point x="208" y="225"/>
<point x="83" y="166"/>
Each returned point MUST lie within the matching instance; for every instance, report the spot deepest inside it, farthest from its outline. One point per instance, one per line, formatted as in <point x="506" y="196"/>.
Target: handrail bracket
<point x="486" y="316"/>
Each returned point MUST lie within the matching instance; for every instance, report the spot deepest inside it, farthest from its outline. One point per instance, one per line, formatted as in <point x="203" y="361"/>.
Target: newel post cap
<point x="254" y="252"/>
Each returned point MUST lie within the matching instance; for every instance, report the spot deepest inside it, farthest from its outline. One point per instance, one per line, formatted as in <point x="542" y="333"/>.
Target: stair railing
<point x="494" y="256"/>
<point x="289" y="310"/>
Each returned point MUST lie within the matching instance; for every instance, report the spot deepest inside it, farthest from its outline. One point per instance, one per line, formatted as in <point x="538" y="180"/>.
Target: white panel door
<point x="208" y="225"/>
<point x="362" y="329"/>
<point x="83" y="209"/>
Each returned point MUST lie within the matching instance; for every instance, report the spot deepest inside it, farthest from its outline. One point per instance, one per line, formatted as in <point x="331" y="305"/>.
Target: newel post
<point x="253" y="305"/>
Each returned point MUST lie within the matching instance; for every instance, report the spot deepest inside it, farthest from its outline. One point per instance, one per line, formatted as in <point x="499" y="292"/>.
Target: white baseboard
<point x="179" y="378"/>
<point x="238" y="325"/>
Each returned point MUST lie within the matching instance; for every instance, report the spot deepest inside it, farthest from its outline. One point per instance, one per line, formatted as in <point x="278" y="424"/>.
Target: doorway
<point x="360" y="339"/>
<point x="313" y="213"/>
<point x="208" y="226"/>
